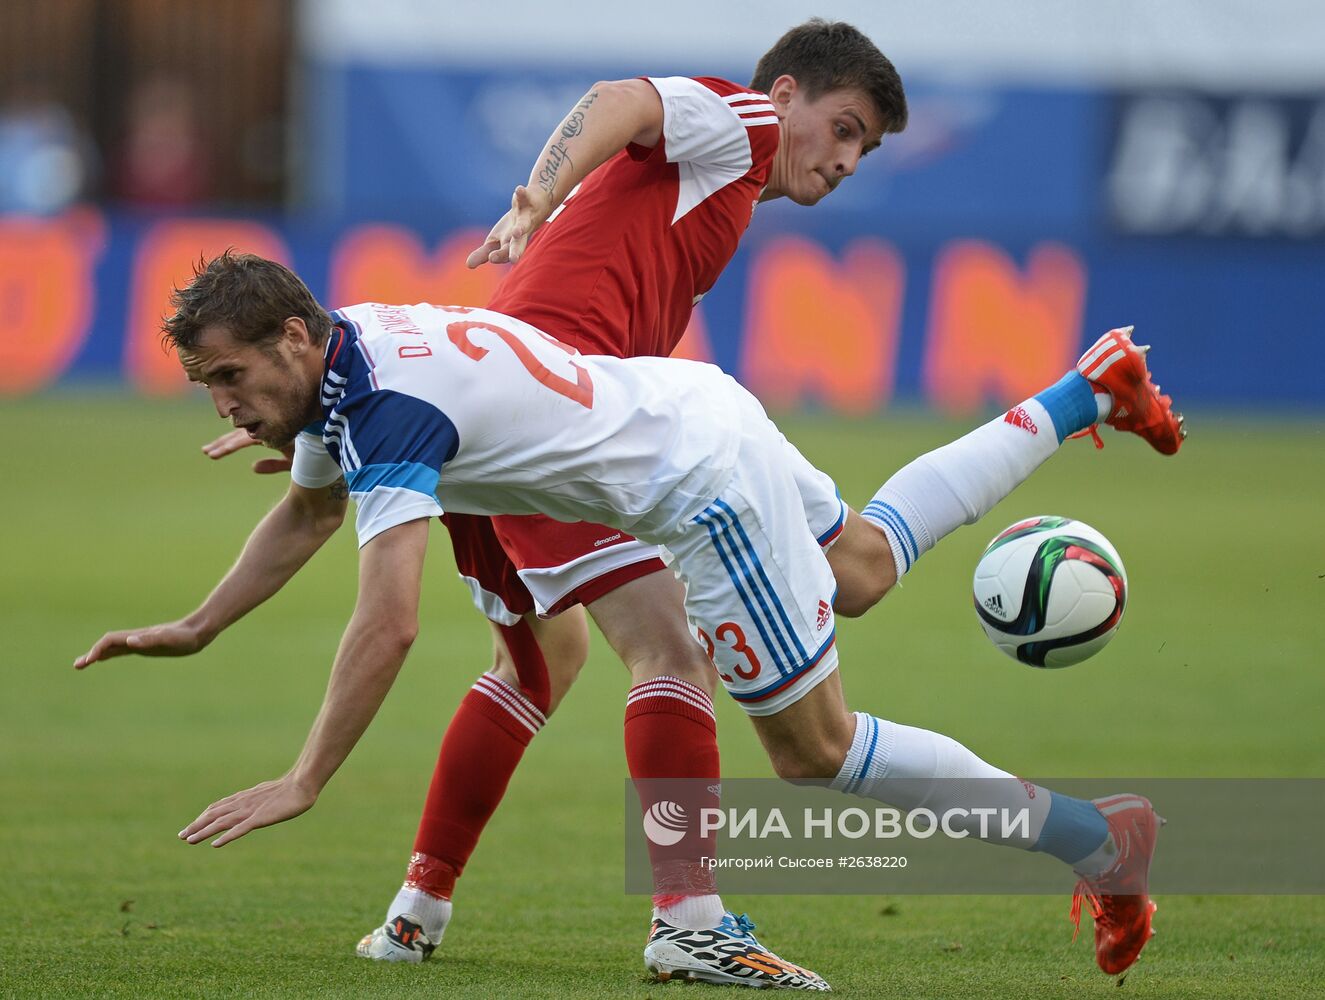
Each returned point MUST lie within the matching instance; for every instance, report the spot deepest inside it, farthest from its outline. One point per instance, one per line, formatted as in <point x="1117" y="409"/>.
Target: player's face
<point x="269" y="391"/>
<point x="823" y="139"/>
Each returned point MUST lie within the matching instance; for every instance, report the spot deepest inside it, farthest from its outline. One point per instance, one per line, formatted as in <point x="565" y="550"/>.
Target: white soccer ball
<point x="1050" y="591"/>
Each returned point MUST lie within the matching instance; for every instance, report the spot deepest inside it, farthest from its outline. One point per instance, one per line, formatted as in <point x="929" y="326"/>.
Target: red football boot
<point x="1117" y="366"/>
<point x="1118" y="897"/>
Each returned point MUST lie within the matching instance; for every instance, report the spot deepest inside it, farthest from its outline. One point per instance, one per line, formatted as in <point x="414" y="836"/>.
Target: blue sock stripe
<point x="1071" y="404"/>
<point x="886" y="521"/>
<point x="763" y="577"/>
<point x="915" y="549"/>
<point x="859" y="779"/>
<point x="891" y="528"/>
<point x="1073" y="829"/>
<point x="745" y="586"/>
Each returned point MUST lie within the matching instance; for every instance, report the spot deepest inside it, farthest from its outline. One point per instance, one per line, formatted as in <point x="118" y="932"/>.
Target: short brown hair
<point x="250" y="296"/>
<point x="824" y="56"/>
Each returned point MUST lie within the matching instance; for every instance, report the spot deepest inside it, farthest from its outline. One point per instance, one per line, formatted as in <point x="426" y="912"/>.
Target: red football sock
<point x="671" y="733"/>
<point x="483" y="744"/>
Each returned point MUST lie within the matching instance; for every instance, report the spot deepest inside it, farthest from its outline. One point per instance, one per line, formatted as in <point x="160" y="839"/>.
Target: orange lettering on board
<point x="47" y="295"/>
<point x="381" y="263"/>
<point x="996" y="333"/>
<point x="165" y="260"/>
<point x="694" y="343"/>
<point x="822" y="328"/>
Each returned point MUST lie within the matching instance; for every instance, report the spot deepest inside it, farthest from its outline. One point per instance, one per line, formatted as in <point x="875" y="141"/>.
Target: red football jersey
<point x="619" y="266"/>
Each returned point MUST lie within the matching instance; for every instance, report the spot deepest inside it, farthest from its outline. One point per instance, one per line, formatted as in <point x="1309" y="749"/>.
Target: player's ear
<point x="784" y="87"/>
<point x="295" y="332"/>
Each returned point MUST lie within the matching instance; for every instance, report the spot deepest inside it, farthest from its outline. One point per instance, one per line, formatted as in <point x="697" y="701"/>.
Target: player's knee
<point x="807" y="763"/>
<point x="864" y="574"/>
<point x="565" y="659"/>
<point x="698" y="670"/>
<point x="867" y="591"/>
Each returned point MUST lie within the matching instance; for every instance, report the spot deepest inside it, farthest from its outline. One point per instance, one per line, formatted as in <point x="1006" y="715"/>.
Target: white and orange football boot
<point x="1119" y="897"/>
<point x="1115" y="365"/>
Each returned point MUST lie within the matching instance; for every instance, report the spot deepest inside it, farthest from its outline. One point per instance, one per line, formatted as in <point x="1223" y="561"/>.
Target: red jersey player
<point x="635" y="205"/>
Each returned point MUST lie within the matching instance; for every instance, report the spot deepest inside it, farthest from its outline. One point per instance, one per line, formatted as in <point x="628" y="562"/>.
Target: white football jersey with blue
<point x="431" y="408"/>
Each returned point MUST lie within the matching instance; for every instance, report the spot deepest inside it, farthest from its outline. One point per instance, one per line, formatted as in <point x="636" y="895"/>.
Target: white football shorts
<point x="759" y="591"/>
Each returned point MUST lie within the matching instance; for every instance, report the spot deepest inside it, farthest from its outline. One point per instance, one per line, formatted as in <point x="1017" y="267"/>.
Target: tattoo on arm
<point x="557" y="154"/>
<point x="339" y="490"/>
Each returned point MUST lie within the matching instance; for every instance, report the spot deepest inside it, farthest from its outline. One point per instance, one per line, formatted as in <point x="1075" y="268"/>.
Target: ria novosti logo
<point x="665" y="823"/>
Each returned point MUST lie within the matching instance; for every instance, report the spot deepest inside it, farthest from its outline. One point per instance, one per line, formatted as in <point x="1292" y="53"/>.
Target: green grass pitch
<point x="113" y="519"/>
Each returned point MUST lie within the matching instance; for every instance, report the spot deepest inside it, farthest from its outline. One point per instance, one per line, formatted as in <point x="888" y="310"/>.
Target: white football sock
<point x="432" y="913"/>
<point x="960" y="482"/>
<point x="696" y="913"/>
<point x="911" y="768"/>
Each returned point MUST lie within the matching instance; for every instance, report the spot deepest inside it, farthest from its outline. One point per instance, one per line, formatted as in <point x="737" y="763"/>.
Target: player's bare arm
<point x="376" y="641"/>
<point x="278" y="547"/>
<point x="610" y="117"/>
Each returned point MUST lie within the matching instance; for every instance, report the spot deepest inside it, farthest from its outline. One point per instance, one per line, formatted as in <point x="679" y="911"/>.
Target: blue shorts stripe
<point x="828" y="535"/>
<point x="767" y="692"/>
<point x="738" y="580"/>
<point x="759" y="586"/>
<point x="768" y="624"/>
<point x="763" y="577"/>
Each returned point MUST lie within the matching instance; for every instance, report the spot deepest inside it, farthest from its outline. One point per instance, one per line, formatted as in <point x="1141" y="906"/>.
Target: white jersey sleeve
<point x="704" y="127"/>
<point x="313" y="465"/>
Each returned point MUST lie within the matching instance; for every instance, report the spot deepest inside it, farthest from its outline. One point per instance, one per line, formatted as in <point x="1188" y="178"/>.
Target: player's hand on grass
<point x="507" y="241"/>
<point x="262" y="805"/>
<point x="233" y="441"/>
<point x="171" y="639"/>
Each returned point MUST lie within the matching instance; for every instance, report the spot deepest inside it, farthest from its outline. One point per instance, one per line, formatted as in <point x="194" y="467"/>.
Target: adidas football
<point x="1050" y="591"/>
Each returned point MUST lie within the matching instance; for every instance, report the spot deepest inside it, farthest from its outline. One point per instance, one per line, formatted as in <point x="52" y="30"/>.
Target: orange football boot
<point x="1118" y="897"/>
<point x="1115" y="365"/>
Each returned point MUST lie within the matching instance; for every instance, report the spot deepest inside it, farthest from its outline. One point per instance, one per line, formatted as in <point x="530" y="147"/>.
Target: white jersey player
<point x="432" y="408"/>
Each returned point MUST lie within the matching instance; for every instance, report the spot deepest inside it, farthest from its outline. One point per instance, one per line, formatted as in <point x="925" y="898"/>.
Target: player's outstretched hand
<point x="233" y="441"/>
<point x="507" y="241"/>
<point x="171" y="639"/>
<point x="262" y="805"/>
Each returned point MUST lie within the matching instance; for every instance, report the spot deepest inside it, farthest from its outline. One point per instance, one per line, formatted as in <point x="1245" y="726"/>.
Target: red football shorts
<point x="514" y="565"/>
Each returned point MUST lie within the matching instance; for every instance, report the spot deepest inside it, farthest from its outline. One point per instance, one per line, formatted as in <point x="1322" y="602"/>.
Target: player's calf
<point x="809" y="739"/>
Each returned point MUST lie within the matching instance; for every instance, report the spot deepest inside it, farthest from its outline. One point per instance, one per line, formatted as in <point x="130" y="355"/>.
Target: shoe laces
<point x="1084" y="891"/>
<point x="1085" y="887"/>
<point x="740" y="926"/>
<point x="1093" y="431"/>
